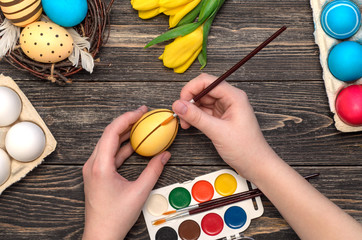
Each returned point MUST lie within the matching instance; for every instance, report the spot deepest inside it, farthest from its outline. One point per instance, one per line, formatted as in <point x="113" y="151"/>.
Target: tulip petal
<point x="173" y="3"/>
<point x="149" y="13"/>
<point x="144" y="5"/>
<point x="185" y="10"/>
<point x="173" y="11"/>
<point x="188" y="63"/>
<point x="183" y="48"/>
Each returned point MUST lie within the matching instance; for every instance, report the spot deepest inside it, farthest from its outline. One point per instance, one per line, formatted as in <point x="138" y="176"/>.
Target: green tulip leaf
<point x="174" y="33"/>
<point x="192" y="15"/>
<point x="202" y="60"/>
<point x="208" y="9"/>
<point x="206" y="30"/>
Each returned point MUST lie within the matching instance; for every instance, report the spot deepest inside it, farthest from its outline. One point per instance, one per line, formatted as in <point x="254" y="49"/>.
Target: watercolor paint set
<point x="224" y="222"/>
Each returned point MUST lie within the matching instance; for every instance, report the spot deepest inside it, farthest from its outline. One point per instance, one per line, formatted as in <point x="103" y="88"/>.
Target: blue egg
<point x="345" y="61"/>
<point x="66" y="13"/>
<point x="341" y="19"/>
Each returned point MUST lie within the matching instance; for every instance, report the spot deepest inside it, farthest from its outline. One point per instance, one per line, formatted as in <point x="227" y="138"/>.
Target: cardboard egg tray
<point x="325" y="43"/>
<point x="28" y="113"/>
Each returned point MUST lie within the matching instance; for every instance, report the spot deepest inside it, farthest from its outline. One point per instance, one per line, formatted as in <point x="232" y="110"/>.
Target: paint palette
<point x="326" y="43"/>
<point x="226" y="222"/>
<point x="28" y="114"/>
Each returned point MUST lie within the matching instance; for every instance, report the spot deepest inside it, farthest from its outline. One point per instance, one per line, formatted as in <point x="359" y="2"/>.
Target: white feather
<point x="9" y="34"/>
<point x="81" y="43"/>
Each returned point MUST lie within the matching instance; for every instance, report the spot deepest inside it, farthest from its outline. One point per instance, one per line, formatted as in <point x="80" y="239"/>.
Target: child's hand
<point x="227" y="118"/>
<point x="112" y="203"/>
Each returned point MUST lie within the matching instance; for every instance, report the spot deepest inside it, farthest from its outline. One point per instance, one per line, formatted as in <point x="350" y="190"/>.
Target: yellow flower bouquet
<point x="190" y="21"/>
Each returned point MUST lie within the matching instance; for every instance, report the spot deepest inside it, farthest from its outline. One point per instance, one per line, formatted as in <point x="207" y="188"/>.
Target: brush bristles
<point x="167" y="120"/>
<point x="169" y="212"/>
<point x="159" y="221"/>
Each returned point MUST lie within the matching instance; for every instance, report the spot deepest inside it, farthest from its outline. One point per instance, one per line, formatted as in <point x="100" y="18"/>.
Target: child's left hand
<point x="112" y="203"/>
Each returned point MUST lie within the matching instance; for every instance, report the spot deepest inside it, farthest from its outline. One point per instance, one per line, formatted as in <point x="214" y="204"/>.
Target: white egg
<point x="10" y="106"/>
<point x="25" y="141"/>
<point x="5" y="168"/>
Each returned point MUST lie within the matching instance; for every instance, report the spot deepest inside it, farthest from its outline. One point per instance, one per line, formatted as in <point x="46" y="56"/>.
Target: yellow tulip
<point x="182" y="52"/>
<point x="173" y="3"/>
<point x="145" y="5"/>
<point x="149" y="13"/>
<point x="172" y="11"/>
<point x="175" y="18"/>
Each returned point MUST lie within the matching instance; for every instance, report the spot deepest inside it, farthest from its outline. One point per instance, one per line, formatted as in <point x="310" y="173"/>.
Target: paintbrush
<point x="215" y="203"/>
<point x="230" y="71"/>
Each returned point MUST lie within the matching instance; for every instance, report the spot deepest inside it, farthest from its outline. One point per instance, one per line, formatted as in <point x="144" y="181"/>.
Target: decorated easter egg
<point x="341" y="19"/>
<point x="21" y="12"/>
<point x="148" y="137"/>
<point x="66" y="13"/>
<point x="46" y="42"/>
<point x="349" y="105"/>
<point x="345" y="61"/>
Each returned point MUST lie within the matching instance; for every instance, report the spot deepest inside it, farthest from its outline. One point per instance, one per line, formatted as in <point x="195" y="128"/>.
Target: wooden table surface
<point x="284" y="84"/>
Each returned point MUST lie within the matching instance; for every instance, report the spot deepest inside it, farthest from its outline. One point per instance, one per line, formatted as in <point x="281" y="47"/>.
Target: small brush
<point x="230" y="71"/>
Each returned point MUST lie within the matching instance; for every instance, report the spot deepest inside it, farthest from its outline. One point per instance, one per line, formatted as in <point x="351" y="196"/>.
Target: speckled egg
<point x="21" y="12"/>
<point x="66" y="13"/>
<point x="148" y="137"/>
<point x="345" y="61"/>
<point x="341" y="19"/>
<point x="46" y="42"/>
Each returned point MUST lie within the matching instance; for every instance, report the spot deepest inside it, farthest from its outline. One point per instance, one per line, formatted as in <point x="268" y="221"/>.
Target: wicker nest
<point x="94" y="27"/>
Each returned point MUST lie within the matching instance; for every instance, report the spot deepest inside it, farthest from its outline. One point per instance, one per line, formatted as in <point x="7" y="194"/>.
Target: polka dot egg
<point x="46" y="42"/>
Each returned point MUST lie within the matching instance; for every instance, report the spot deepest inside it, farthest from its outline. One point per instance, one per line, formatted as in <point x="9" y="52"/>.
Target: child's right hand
<point x="227" y="118"/>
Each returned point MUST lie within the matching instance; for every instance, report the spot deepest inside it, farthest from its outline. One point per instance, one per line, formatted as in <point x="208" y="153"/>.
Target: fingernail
<point x="180" y="108"/>
<point x="165" y="157"/>
<point x="140" y="108"/>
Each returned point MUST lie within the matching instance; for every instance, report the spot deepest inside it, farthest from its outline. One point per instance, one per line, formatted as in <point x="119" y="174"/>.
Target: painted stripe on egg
<point x="26" y="17"/>
<point x="30" y="20"/>
<point x="9" y="4"/>
<point x="171" y="140"/>
<point x="23" y="9"/>
<point x="135" y="127"/>
<point x="154" y="130"/>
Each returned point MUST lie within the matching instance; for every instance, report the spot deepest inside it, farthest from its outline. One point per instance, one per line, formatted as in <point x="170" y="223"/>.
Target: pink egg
<point x="349" y="105"/>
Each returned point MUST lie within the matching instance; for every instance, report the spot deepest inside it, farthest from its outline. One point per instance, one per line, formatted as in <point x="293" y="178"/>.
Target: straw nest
<point x="95" y="27"/>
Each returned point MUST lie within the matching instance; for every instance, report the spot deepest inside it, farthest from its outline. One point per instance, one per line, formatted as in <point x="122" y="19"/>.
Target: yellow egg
<point x="21" y="12"/>
<point x="149" y="137"/>
<point x="46" y="42"/>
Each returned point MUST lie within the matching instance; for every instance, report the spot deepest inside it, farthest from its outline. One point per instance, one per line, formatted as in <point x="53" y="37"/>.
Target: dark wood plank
<point x="49" y="204"/>
<point x="284" y="84"/>
<point x="294" y="117"/>
<point x="239" y="27"/>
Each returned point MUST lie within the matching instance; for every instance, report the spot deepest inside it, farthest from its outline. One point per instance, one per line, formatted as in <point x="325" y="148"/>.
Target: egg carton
<point x="325" y="43"/>
<point x="28" y="113"/>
